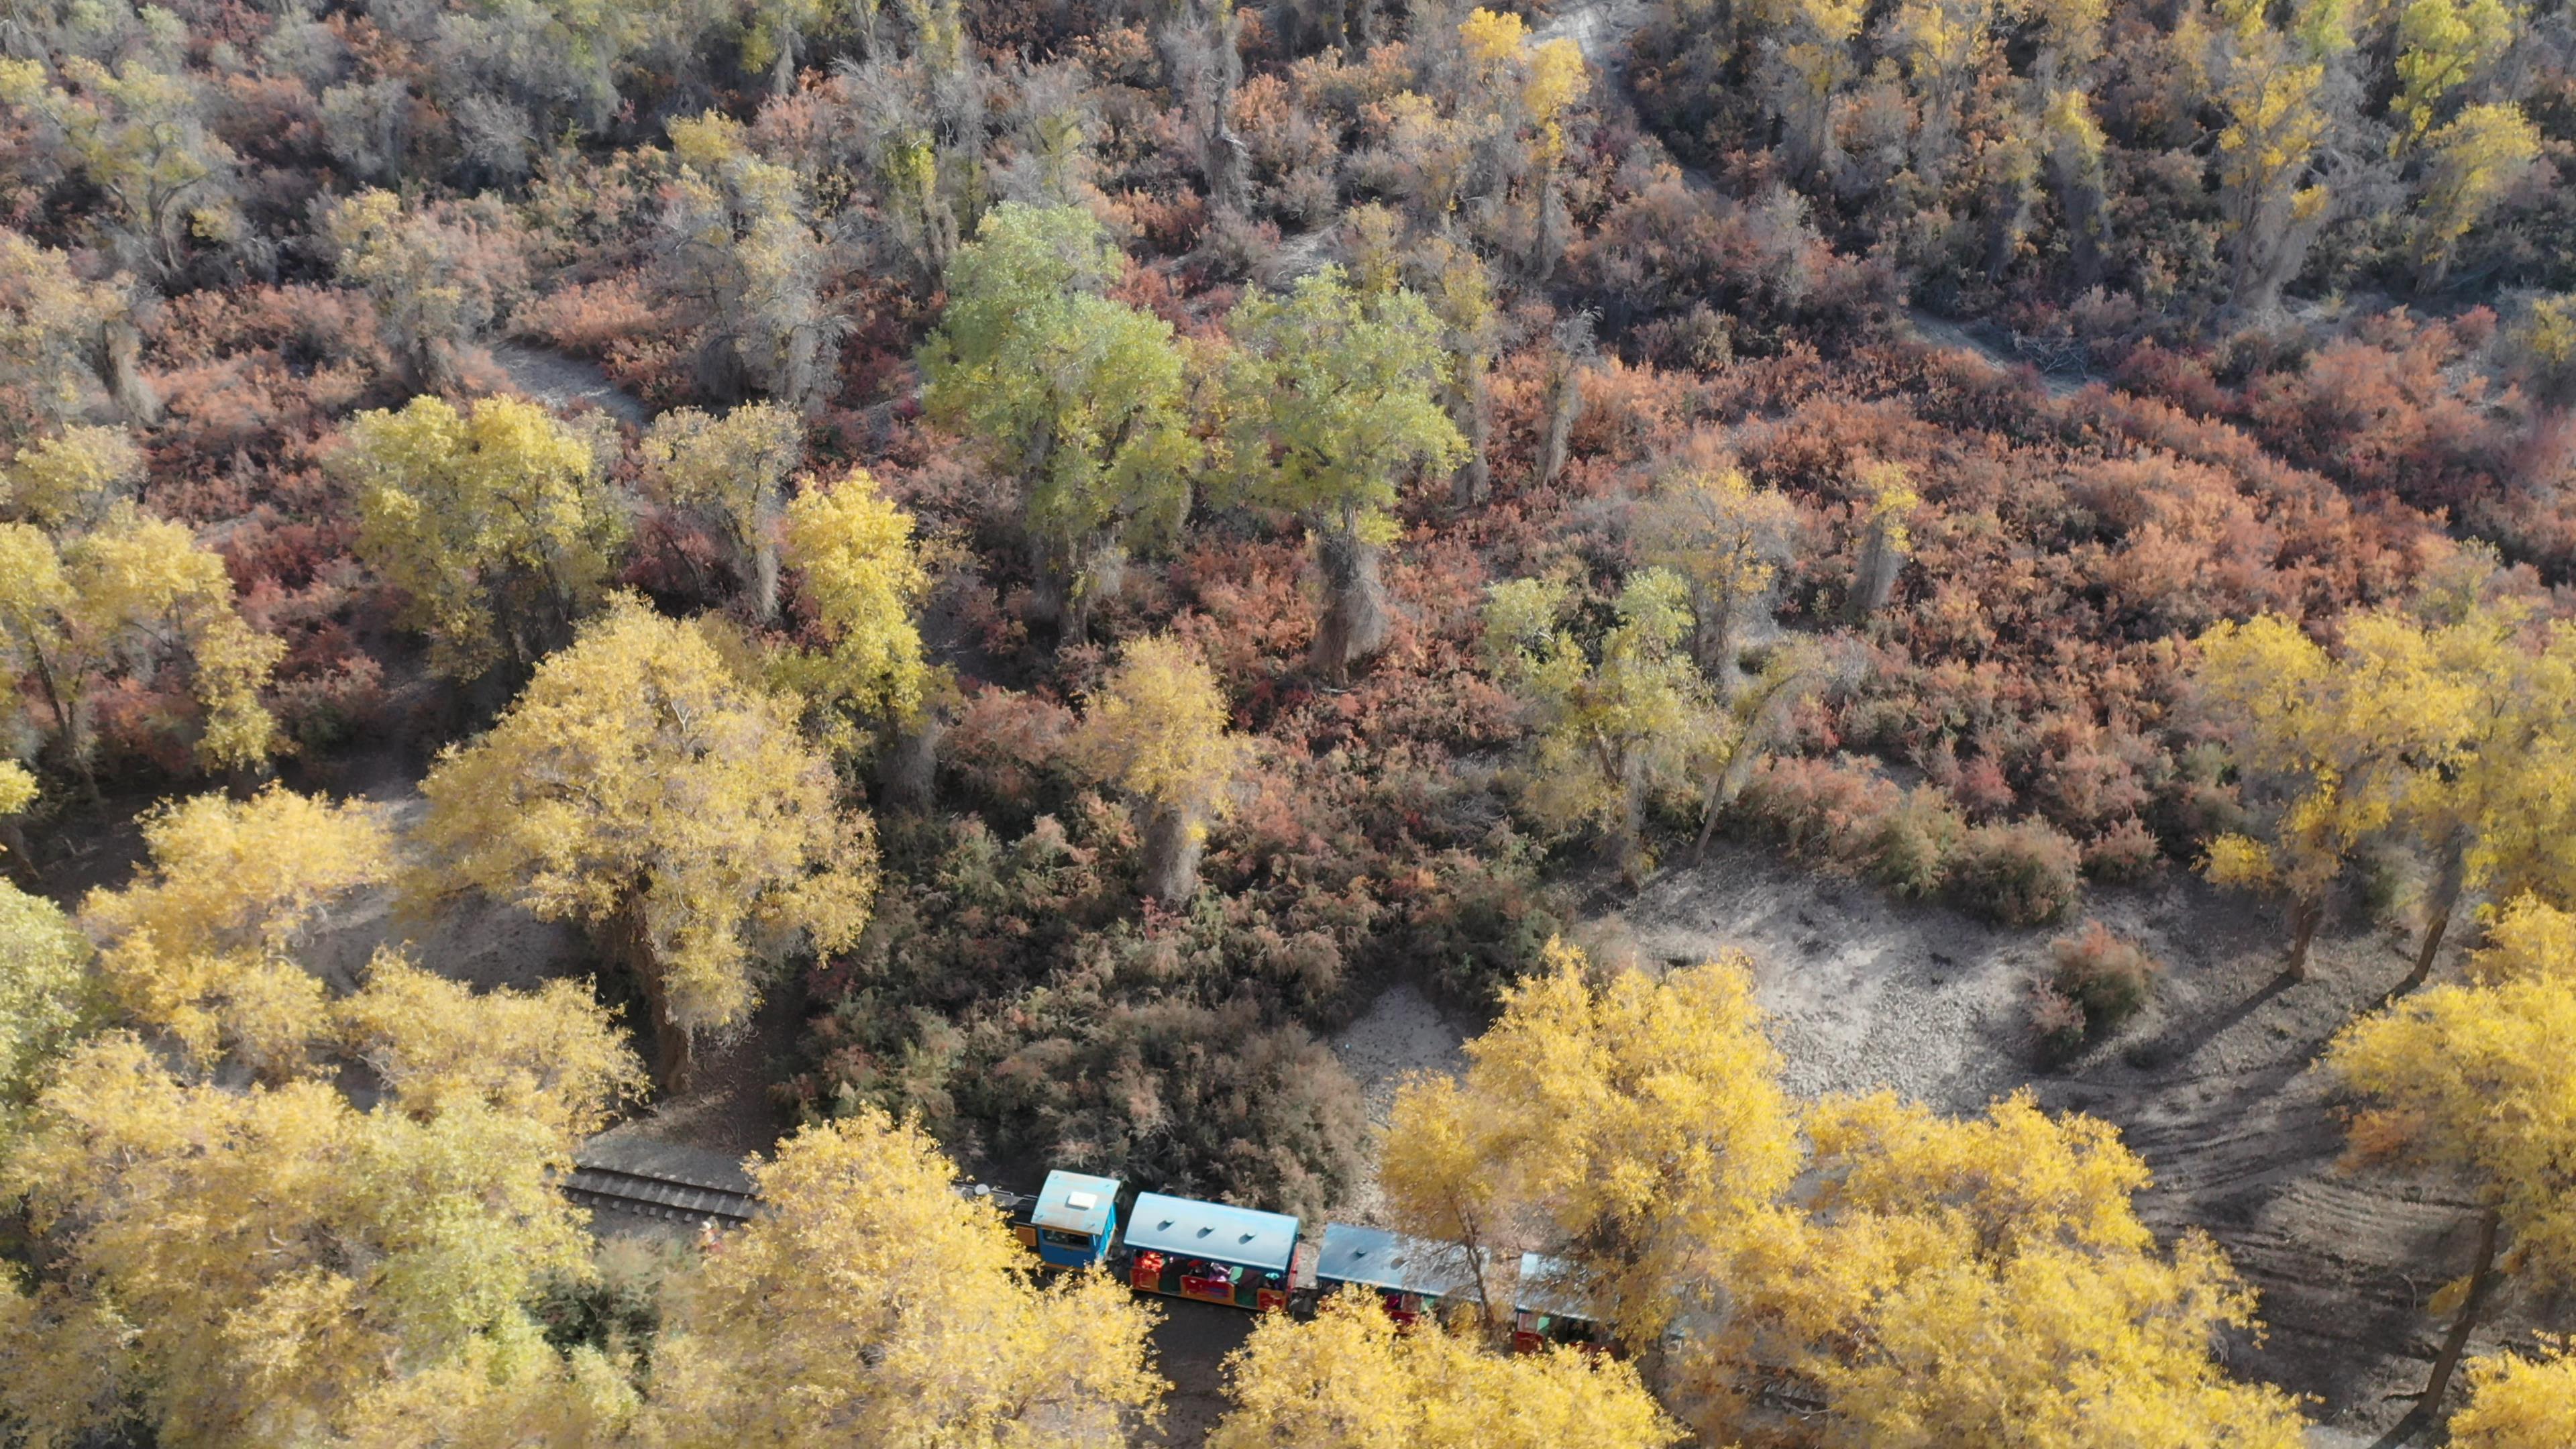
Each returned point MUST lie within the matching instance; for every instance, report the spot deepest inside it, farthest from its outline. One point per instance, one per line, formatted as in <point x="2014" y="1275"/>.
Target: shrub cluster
<point x="2097" y="981"/>
<point x="1842" y="814"/>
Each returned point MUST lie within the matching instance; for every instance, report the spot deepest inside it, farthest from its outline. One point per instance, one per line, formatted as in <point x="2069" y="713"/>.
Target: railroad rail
<point x="654" y="1195"/>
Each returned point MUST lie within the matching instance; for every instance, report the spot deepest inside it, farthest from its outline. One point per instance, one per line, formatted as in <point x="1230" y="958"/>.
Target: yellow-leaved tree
<point x="643" y="785"/>
<point x="199" y="946"/>
<point x="2475" y="1077"/>
<point x="55" y="328"/>
<point x="272" y="1265"/>
<point x="1157" y="730"/>
<point x="1931" y="1282"/>
<point x="72" y="476"/>
<point x="44" y="997"/>
<point x="1632" y="1126"/>
<point x="1352" y="1380"/>
<point x="871" y="1305"/>
<point x="861" y="573"/>
<point x="2519" y="1403"/>
<point x="1726" y="538"/>
<point x="496" y="525"/>
<point x="2327" y="747"/>
<point x="18" y="792"/>
<point x="127" y="596"/>
<point x="1984" y="1281"/>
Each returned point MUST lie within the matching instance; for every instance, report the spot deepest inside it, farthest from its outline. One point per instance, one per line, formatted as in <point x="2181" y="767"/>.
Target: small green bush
<point x="1912" y="851"/>
<point x="2021" y="874"/>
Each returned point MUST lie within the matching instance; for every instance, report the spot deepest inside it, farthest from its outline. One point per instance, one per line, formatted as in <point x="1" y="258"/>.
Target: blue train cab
<point x="1210" y="1252"/>
<point x="1411" y="1276"/>
<point x="1074" y="1219"/>
<point x="1548" y="1310"/>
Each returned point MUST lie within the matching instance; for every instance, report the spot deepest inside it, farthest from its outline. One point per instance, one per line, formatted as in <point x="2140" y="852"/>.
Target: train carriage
<point x="1410" y="1275"/>
<point x="1073" y="1222"/>
<point x="1548" y="1311"/>
<point x="1210" y="1252"/>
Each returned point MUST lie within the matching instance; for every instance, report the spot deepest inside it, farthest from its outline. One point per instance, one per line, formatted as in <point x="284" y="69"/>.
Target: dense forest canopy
<point x="1068" y="546"/>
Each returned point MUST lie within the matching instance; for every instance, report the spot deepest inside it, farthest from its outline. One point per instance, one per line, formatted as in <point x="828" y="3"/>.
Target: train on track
<point x="1211" y="1252"/>
<point x="1207" y="1252"/>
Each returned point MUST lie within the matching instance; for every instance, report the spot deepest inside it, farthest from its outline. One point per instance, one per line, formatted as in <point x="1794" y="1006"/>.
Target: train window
<point x="1056" y="1238"/>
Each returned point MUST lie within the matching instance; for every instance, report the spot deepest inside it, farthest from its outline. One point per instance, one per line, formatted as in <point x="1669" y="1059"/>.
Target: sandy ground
<point x="1402" y="1034"/>
<point x="562" y="380"/>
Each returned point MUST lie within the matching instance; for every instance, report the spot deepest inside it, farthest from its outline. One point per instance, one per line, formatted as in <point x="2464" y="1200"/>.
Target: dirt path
<point x="559" y="379"/>
<point x="2213" y="1086"/>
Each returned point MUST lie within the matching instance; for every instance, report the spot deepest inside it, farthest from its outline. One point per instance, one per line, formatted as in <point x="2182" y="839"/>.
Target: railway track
<point x="654" y="1195"/>
<point x="691" y="1200"/>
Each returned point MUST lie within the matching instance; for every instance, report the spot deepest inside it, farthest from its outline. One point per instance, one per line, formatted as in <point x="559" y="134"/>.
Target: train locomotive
<point x="1211" y="1252"/>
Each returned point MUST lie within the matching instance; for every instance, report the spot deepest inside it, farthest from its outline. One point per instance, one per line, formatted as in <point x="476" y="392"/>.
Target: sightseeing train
<point x="1213" y="1253"/>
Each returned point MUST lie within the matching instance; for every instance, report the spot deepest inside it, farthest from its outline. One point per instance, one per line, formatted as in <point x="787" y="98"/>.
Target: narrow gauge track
<point x="652" y="1195"/>
<point x="680" y="1199"/>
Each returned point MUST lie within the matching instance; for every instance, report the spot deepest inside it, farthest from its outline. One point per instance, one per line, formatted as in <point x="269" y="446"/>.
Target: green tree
<point x="1337" y="399"/>
<point x="642" y="786"/>
<point x="730" y="473"/>
<point x="497" y="525"/>
<point x="1622" y="719"/>
<point x="1081" y="398"/>
<point x="437" y="275"/>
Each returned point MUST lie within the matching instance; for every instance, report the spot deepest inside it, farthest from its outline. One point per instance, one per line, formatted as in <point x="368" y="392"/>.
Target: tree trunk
<point x="1873" y="574"/>
<point x="1714" y="631"/>
<point x="118" y="364"/>
<point x="1173" y="843"/>
<point x="907" y="780"/>
<point x="629" y="942"/>
<point x="1355" y="623"/>
<point x="2305" y="917"/>
<point x="2455" y="1343"/>
<point x="1632" y="820"/>
<point x="2438" y="909"/>
<point x="764" y="577"/>
<point x="1561" y="417"/>
<point x="1050" y="590"/>
<point x="782" y="75"/>
<point x="1475" y="476"/>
